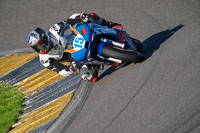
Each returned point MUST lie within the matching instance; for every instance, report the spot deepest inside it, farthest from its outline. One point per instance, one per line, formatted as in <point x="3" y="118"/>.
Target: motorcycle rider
<point x="51" y="51"/>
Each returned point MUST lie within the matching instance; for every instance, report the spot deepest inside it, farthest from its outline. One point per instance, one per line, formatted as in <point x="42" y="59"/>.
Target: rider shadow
<point x="150" y="45"/>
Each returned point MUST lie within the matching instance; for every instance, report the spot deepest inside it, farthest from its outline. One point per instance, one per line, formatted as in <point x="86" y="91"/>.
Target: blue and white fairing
<point x="84" y="40"/>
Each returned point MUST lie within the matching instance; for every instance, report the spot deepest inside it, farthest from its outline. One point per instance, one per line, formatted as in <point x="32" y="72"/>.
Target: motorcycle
<point x="100" y="45"/>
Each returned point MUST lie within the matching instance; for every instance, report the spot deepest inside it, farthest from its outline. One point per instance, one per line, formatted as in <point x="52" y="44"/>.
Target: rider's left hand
<point x="84" y="17"/>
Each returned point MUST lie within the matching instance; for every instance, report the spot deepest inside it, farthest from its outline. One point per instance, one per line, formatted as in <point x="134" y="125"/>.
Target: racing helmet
<point x="38" y="40"/>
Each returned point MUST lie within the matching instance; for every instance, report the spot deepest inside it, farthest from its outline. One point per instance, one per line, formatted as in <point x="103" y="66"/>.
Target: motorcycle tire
<point x="122" y="54"/>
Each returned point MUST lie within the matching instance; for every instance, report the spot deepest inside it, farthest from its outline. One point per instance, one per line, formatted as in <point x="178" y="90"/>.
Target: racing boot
<point x="89" y="74"/>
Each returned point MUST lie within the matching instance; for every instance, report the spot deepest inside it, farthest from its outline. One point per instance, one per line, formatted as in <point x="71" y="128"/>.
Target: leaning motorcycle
<point x="100" y="45"/>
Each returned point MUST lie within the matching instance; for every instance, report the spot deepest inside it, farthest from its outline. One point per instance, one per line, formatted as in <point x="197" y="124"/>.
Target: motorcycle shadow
<point x="153" y="43"/>
<point x="150" y="45"/>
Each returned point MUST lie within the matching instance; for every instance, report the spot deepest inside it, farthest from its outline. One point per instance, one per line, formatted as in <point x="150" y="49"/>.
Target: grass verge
<point x="10" y="106"/>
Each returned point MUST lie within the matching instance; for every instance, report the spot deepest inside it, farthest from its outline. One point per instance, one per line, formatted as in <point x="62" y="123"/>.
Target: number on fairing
<point x="79" y="42"/>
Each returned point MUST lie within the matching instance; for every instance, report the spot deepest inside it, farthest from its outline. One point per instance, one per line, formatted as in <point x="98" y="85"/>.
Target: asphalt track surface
<point x="160" y="95"/>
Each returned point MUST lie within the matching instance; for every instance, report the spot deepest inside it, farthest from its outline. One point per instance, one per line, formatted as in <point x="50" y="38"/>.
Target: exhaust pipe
<point x="114" y="60"/>
<point x="121" y="45"/>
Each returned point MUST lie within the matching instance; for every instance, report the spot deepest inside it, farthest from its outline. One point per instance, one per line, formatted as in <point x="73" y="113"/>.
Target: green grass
<point x="10" y="106"/>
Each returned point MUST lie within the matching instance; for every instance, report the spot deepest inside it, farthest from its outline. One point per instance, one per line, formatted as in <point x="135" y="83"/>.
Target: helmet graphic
<point x="38" y="40"/>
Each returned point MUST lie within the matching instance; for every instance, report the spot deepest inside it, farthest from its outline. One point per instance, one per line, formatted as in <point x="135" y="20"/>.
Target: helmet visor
<point x="35" y="48"/>
<point x="39" y="46"/>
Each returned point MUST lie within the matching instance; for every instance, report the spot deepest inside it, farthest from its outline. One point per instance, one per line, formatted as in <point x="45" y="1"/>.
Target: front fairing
<point x="84" y="30"/>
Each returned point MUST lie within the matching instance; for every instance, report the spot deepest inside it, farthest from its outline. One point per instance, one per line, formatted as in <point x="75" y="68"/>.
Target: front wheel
<point x="122" y="54"/>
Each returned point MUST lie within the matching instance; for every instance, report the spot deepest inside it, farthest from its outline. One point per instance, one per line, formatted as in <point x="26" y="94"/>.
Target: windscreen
<point x="66" y="36"/>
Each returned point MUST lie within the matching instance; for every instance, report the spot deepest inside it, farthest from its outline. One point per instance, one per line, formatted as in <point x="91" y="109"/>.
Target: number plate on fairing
<point x="78" y="43"/>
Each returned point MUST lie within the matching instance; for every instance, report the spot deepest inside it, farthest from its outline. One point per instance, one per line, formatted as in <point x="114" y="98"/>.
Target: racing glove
<point x="84" y="17"/>
<point x="89" y="18"/>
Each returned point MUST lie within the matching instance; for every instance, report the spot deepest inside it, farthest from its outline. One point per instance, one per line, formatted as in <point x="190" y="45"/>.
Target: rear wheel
<point x="121" y="54"/>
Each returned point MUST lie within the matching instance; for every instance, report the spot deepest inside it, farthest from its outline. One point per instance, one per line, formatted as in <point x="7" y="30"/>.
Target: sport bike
<point x="100" y="45"/>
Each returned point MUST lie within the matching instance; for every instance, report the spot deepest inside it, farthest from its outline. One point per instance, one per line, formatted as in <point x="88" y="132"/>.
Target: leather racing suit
<point x="51" y="57"/>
